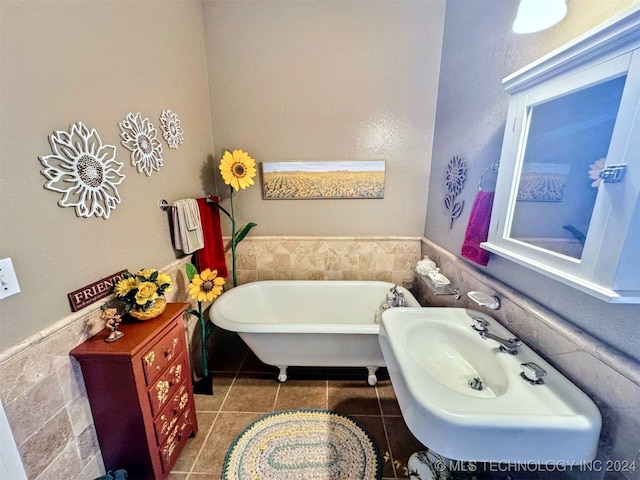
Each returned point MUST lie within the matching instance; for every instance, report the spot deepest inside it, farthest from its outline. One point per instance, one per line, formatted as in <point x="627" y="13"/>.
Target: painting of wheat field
<point x="543" y="182"/>
<point x="315" y="180"/>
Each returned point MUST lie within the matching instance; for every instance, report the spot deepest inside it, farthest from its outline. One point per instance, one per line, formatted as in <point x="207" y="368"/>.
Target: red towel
<point x="212" y="255"/>
<point x="478" y="229"/>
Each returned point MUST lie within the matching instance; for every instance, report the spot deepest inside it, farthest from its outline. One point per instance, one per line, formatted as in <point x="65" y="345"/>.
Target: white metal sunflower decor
<point x="455" y="176"/>
<point x="171" y="129"/>
<point x="139" y="136"/>
<point x="84" y="170"/>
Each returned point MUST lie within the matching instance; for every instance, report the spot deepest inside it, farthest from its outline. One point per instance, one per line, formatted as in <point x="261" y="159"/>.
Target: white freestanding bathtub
<point x="310" y="323"/>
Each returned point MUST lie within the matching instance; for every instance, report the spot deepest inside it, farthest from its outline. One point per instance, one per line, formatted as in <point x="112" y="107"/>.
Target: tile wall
<point x="43" y="394"/>
<point x="327" y="258"/>
<point x="41" y="387"/>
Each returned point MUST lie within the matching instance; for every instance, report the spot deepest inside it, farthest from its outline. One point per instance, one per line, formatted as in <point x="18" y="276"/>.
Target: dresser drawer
<point x="172" y="413"/>
<point x="167" y="384"/>
<point x="163" y="353"/>
<point x="176" y="440"/>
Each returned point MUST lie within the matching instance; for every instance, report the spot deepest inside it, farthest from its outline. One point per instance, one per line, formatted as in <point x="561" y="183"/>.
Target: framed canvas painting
<point x="316" y="180"/>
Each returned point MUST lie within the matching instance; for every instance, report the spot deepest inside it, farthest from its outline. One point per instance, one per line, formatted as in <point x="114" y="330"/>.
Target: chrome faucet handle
<point x="532" y="373"/>
<point x="480" y="324"/>
<point x="511" y="346"/>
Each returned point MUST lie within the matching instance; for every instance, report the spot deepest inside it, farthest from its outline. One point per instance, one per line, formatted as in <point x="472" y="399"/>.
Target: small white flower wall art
<point x="84" y="170"/>
<point x="171" y="129"/>
<point x="139" y="136"/>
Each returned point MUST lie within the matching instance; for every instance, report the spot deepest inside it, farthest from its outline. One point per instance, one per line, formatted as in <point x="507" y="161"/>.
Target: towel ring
<point x="493" y="167"/>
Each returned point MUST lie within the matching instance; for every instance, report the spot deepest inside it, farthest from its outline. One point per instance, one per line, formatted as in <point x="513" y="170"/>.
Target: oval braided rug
<point x="303" y="444"/>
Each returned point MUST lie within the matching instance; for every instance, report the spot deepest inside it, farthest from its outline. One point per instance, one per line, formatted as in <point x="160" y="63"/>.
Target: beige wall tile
<point x="46" y="443"/>
<point x="30" y="411"/>
<point x="66" y="465"/>
<point x="88" y="446"/>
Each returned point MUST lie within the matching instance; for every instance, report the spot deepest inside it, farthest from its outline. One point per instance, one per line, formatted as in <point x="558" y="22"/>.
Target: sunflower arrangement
<point x="141" y="290"/>
<point x="205" y="286"/>
<point x="237" y="169"/>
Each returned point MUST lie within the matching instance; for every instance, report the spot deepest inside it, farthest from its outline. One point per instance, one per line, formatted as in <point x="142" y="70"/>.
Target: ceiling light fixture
<point x="536" y="15"/>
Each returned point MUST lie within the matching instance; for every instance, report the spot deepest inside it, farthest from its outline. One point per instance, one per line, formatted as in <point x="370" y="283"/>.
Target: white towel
<point x="187" y="229"/>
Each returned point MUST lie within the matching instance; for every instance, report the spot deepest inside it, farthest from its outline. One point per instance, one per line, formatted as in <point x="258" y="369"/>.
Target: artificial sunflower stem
<point x="217" y="204"/>
<point x="233" y="239"/>
<point x="203" y="332"/>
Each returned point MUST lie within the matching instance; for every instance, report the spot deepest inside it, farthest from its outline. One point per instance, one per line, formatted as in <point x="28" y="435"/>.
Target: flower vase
<point x="156" y="308"/>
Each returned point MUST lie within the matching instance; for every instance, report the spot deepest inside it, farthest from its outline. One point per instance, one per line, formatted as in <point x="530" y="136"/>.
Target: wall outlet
<point x="8" y="280"/>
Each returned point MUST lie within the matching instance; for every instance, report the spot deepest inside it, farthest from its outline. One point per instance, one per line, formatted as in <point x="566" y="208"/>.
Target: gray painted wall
<point x="326" y="80"/>
<point x="472" y="108"/>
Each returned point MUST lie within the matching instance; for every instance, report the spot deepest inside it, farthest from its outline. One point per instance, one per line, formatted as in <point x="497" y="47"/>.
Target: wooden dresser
<point x="140" y="393"/>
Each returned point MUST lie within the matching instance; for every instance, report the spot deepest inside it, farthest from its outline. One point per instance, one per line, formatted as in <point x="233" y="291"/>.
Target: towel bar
<point x="164" y="205"/>
<point x="493" y="167"/>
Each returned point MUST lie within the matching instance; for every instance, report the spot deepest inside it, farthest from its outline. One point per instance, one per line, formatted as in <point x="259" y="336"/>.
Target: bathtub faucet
<point x="397" y="297"/>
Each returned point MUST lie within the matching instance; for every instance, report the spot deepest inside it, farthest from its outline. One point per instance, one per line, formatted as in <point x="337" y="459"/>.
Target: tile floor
<point x="245" y="389"/>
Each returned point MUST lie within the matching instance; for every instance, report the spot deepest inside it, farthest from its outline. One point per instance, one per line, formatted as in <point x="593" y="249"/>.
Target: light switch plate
<point x="8" y="279"/>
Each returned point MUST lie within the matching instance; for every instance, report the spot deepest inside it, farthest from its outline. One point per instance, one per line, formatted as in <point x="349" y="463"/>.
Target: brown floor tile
<point x="221" y="383"/>
<point x="388" y="401"/>
<point x="373" y="425"/>
<point x="177" y="476"/>
<point x="251" y="393"/>
<point x="353" y="397"/>
<point x="302" y="394"/>
<point x="224" y="431"/>
<point x="242" y="397"/>
<point x="192" y="447"/>
<point x="402" y="442"/>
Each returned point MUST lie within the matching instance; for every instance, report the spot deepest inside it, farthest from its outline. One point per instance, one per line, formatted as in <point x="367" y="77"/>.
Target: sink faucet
<point x="509" y="346"/>
<point x="396" y="299"/>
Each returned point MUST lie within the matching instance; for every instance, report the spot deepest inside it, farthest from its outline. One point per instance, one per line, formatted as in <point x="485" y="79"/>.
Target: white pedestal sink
<point x="465" y="399"/>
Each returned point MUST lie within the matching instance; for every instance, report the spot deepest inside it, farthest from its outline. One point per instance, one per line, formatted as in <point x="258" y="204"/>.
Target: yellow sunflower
<point x="237" y="169"/>
<point x="163" y="279"/>
<point x="125" y="285"/>
<point x="206" y="285"/>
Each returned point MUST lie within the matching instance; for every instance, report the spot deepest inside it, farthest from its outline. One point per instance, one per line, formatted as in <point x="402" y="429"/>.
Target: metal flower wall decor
<point x="171" y="129"/>
<point x="455" y="176"/>
<point x="84" y="170"/>
<point x="139" y="136"/>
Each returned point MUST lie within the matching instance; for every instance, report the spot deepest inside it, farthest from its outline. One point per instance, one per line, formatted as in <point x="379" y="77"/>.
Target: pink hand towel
<point x="478" y="229"/>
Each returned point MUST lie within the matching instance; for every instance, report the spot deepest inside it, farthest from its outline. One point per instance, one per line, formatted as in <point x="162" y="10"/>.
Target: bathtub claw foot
<point x="372" y="379"/>
<point x="282" y="377"/>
